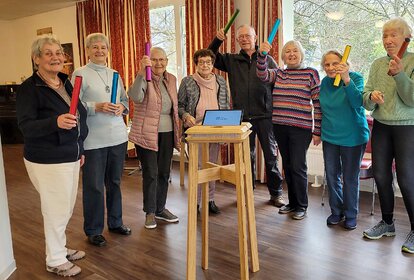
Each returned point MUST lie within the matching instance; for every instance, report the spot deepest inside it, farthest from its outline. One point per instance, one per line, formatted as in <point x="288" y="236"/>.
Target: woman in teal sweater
<point x="389" y="93"/>
<point x="345" y="133"/>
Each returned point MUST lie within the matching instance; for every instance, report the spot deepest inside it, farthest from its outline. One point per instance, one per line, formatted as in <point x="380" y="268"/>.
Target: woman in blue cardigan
<point x="345" y="134"/>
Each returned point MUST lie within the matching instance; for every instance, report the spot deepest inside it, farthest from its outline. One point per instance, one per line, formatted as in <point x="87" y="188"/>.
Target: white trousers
<point x="57" y="185"/>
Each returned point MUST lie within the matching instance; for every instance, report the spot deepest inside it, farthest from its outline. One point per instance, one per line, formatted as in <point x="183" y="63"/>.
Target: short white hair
<point x="97" y="37"/>
<point x="153" y="49"/>
<point x="398" y="23"/>
<point x="296" y="44"/>
<point x="245" y="26"/>
<point x="39" y="42"/>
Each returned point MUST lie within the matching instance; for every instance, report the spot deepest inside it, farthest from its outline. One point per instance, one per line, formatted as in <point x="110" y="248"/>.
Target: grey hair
<point x="296" y="44"/>
<point x="248" y="26"/>
<point x="398" y="23"/>
<point x="97" y="37"/>
<point x="160" y="50"/>
<point x="334" y="52"/>
<point x="39" y="42"/>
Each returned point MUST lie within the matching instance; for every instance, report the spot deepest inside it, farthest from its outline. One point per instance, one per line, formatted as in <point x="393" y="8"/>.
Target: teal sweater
<point x="343" y="117"/>
<point x="398" y="90"/>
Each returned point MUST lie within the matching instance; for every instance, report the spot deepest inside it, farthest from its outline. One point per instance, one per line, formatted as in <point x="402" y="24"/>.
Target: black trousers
<point x="156" y="172"/>
<point x="263" y="128"/>
<point x="391" y="142"/>
<point x="293" y="144"/>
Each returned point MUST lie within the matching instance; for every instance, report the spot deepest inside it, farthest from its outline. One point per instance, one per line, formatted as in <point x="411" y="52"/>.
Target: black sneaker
<point x="212" y="207"/>
<point x="299" y="214"/>
<point x="286" y="209"/>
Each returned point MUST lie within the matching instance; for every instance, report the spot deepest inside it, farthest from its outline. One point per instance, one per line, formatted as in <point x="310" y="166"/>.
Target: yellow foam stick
<point x="344" y="59"/>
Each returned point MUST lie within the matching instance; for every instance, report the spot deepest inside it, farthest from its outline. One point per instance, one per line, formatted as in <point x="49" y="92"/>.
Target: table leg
<point x="192" y="212"/>
<point x="250" y="207"/>
<point x="241" y="209"/>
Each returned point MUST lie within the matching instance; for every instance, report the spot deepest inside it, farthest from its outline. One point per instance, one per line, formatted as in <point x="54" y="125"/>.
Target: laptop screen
<point x="222" y="117"/>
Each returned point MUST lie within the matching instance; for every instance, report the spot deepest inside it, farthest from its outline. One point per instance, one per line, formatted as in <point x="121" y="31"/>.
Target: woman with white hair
<point x="154" y="132"/>
<point x="389" y="94"/>
<point x="105" y="147"/>
<point x="295" y="96"/>
<point x="53" y="148"/>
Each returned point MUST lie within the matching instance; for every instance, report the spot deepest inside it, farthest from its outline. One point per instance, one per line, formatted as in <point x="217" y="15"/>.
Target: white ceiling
<point x="14" y="9"/>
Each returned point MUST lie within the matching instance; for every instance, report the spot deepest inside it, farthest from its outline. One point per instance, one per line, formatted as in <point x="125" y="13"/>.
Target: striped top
<point x="295" y="95"/>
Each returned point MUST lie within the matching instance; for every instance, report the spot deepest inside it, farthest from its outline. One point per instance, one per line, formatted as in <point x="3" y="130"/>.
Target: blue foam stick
<point x="273" y="32"/>
<point x="114" y="87"/>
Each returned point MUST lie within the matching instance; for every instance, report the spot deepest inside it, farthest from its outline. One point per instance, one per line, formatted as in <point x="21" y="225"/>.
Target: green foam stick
<point x="230" y="22"/>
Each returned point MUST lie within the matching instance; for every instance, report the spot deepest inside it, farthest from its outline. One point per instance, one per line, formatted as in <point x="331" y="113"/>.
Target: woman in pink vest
<point x="154" y="132"/>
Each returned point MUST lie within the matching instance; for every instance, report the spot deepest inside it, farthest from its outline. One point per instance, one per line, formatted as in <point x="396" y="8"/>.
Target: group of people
<point x="288" y="108"/>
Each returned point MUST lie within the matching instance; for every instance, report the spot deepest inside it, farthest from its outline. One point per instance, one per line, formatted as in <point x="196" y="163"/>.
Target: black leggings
<point x="391" y="142"/>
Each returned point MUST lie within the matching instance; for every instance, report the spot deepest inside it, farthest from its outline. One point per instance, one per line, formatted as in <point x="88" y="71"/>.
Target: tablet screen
<point x="222" y="117"/>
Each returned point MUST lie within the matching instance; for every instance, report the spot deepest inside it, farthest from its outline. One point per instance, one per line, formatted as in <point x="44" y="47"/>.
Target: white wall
<point x="20" y="33"/>
<point x="7" y="262"/>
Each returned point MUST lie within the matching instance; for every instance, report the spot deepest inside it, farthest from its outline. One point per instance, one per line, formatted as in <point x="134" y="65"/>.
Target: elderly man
<point x="254" y="98"/>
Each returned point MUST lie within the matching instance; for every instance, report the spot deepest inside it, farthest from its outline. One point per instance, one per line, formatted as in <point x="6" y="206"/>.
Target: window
<point x="325" y="24"/>
<point x="167" y="20"/>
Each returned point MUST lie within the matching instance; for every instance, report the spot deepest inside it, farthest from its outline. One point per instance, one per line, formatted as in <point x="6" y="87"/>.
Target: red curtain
<point x="127" y="25"/>
<point x="203" y="18"/>
<point x="263" y="16"/>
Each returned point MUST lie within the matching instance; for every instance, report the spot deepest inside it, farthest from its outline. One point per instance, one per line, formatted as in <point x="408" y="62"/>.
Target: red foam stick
<point x="403" y="47"/>
<point x="75" y="95"/>
<point x="402" y="50"/>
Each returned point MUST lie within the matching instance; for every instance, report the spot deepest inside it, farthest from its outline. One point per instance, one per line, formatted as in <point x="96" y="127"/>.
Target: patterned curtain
<point x="203" y="18"/>
<point x="263" y="16"/>
<point x="127" y="25"/>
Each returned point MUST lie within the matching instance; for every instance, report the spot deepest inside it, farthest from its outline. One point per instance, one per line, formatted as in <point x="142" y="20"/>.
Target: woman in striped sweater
<point x="295" y="96"/>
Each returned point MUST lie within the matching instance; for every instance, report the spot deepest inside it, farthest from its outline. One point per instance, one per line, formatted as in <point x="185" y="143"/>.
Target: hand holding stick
<point x="147" y="68"/>
<point x="273" y="33"/>
<point x="344" y="60"/>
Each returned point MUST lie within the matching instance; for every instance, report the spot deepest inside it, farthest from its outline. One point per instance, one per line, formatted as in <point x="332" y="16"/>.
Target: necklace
<point x="107" y="88"/>
<point x="49" y="83"/>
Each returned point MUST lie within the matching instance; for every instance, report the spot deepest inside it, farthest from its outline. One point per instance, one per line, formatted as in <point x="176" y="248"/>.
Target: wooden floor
<point x="288" y="249"/>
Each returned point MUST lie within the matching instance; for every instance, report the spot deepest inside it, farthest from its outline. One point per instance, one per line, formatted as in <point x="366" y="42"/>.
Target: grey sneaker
<point x="379" y="230"/>
<point x="408" y="245"/>
<point x="150" y="221"/>
<point x="277" y="201"/>
<point x="167" y="216"/>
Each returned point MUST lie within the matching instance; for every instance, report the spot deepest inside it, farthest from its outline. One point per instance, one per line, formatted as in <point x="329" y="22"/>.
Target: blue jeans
<point x="156" y="168"/>
<point x="345" y="162"/>
<point x="102" y="171"/>
<point x="293" y="144"/>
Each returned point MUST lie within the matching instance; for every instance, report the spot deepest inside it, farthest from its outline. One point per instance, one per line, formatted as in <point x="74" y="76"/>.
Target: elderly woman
<point x="154" y="132"/>
<point x="389" y="93"/>
<point x="53" y="148"/>
<point x="345" y="133"/>
<point x="202" y="91"/>
<point x="295" y="92"/>
<point x="106" y="144"/>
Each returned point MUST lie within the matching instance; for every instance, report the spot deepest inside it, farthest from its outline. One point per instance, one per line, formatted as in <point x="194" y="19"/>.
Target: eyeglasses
<point x="244" y="36"/>
<point x="161" y="60"/>
<point x="205" y="62"/>
<point x="49" y="54"/>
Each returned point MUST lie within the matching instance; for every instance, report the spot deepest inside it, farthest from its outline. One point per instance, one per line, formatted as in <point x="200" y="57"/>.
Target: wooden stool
<point x="238" y="174"/>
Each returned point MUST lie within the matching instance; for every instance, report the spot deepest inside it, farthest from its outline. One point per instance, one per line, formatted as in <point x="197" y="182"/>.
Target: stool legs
<point x="192" y="212"/>
<point x="241" y="209"/>
<point x="250" y="208"/>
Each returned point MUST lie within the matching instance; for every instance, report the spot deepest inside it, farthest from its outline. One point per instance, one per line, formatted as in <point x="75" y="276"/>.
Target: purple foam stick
<point x="147" y="68"/>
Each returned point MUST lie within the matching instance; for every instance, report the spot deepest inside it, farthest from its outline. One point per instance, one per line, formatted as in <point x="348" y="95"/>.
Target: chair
<point x="366" y="171"/>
